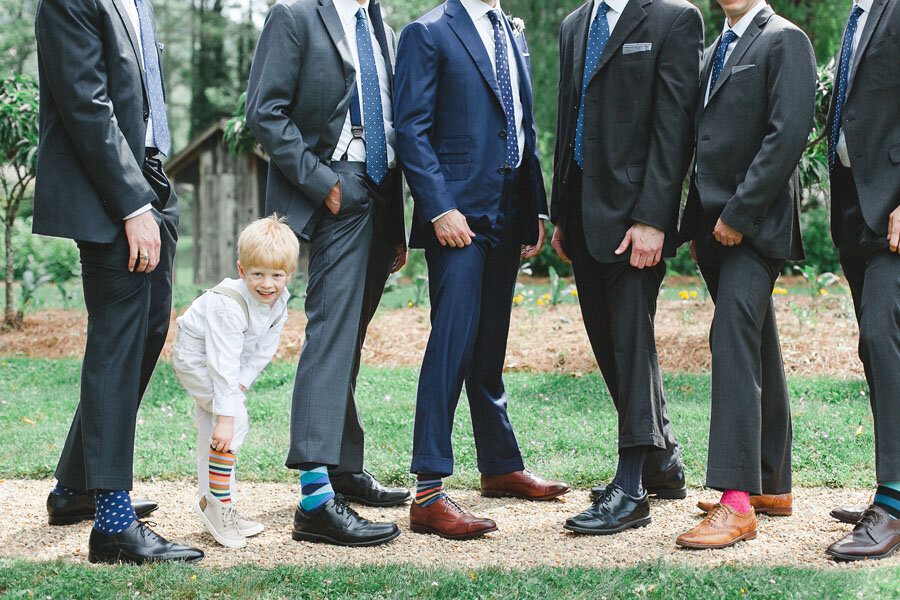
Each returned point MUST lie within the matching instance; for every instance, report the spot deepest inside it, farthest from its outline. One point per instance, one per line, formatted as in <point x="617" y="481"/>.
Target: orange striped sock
<point x="220" y="467"/>
<point x="429" y="491"/>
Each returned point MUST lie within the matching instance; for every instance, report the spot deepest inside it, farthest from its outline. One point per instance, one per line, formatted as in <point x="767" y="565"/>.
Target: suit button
<point x="503" y="133"/>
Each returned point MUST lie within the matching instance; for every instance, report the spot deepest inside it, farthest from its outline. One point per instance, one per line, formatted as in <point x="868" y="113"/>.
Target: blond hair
<point x="268" y="243"/>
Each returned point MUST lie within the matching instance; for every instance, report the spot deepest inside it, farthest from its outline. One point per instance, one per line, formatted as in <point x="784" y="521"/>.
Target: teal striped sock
<point x="887" y="496"/>
<point x="315" y="487"/>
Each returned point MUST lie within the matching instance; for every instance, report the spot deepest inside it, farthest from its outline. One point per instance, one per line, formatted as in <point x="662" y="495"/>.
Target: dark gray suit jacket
<point x="298" y="97"/>
<point x="751" y="135"/>
<point x="93" y="120"/>
<point x="871" y="119"/>
<point x="638" y="122"/>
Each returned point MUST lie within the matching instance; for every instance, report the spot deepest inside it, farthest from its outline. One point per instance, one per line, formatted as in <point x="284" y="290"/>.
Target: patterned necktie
<point x="719" y="60"/>
<point x="843" y="75"/>
<point x="506" y="94"/>
<point x="597" y="39"/>
<point x="373" y="114"/>
<point x="161" y="136"/>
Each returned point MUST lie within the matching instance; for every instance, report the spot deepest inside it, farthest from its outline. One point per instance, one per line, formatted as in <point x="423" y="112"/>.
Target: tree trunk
<point x="10" y="314"/>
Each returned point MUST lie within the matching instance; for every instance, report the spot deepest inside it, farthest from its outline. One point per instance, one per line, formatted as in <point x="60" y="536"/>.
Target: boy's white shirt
<point x="234" y="357"/>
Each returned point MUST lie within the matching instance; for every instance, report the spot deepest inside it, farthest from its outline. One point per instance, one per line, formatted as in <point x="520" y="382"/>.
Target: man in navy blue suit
<point x="467" y="144"/>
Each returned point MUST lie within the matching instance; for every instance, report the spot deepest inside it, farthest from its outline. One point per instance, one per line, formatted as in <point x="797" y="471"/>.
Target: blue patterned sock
<point x="61" y="490"/>
<point x="887" y="496"/>
<point x="113" y="513"/>
<point x="315" y="487"/>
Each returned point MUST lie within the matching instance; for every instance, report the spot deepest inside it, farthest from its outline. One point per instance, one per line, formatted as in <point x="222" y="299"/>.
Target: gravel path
<point x="530" y="534"/>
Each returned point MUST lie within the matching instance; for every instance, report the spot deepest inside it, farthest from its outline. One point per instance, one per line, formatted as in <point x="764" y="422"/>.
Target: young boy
<point x="225" y="339"/>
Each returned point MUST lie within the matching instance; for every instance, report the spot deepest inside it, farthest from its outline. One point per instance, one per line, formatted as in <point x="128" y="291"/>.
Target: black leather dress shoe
<point x="668" y="485"/>
<point x="137" y="545"/>
<point x="337" y="523"/>
<point x="365" y="489"/>
<point x="613" y="512"/>
<point x="66" y="510"/>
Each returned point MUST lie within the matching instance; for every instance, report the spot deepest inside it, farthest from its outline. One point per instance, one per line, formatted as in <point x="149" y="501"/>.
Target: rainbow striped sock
<point x="429" y="491"/>
<point x="220" y="467"/>
<point x="315" y="487"/>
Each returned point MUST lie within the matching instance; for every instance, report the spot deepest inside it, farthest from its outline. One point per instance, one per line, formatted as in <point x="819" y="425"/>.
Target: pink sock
<point x="739" y="501"/>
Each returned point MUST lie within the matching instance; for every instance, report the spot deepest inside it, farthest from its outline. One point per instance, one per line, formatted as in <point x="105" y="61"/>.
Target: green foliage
<point x="820" y="251"/>
<point x="682" y="263"/>
<point x="17" y="45"/>
<point x="238" y="137"/>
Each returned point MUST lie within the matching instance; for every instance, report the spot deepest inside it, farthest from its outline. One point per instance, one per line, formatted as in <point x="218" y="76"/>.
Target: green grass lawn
<point x="20" y="579"/>
<point x="566" y="425"/>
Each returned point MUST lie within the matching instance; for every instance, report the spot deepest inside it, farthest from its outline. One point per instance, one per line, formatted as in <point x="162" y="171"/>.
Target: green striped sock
<point x="887" y="496"/>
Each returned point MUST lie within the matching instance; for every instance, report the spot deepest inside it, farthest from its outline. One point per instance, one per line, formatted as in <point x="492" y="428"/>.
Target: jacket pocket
<point x="453" y="155"/>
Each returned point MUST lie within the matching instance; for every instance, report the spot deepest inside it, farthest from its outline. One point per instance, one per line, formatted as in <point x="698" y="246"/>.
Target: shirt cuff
<point x="139" y="211"/>
<point x="543" y="217"/>
<point x="246" y="377"/>
<point x="442" y="214"/>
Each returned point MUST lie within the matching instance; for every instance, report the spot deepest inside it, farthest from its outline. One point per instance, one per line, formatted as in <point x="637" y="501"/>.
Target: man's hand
<point x="400" y="258"/>
<point x="893" y="235"/>
<point x="532" y="251"/>
<point x="143" y="242"/>
<point x="647" y="244"/>
<point x="222" y="434"/>
<point x="453" y="230"/>
<point x="333" y="199"/>
<point x="558" y="244"/>
<point x="726" y="235"/>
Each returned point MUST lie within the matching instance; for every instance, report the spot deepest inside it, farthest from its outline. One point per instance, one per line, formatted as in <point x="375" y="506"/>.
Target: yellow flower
<point x="683" y="294"/>
<point x="779" y="291"/>
<point x="540" y="301"/>
<point x="574" y="292"/>
<point x="409" y="304"/>
<point x="823" y="291"/>
<point x="693" y="294"/>
<point x="546" y="296"/>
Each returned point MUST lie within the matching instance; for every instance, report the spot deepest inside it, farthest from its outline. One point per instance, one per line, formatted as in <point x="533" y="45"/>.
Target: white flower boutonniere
<point x="518" y="25"/>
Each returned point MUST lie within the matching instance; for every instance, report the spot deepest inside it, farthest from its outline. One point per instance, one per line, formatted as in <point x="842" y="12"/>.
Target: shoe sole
<point x="387" y="504"/>
<point x="61" y="521"/>
<point x="587" y="531"/>
<point x="851" y="558"/>
<point x="118" y="560"/>
<point x="253" y="531"/>
<point x="750" y="535"/>
<point x="300" y="536"/>
<point x="218" y="537"/>
<point x="506" y="494"/>
<point x="464" y="536"/>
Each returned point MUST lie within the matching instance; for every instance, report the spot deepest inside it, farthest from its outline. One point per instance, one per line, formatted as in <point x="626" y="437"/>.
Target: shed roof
<point x="192" y="150"/>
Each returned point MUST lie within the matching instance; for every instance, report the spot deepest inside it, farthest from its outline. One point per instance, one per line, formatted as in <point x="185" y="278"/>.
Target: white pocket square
<point x="632" y="48"/>
<point x="739" y="68"/>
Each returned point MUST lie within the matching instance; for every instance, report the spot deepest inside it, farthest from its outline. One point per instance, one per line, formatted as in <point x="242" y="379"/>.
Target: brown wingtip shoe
<point x="449" y="520"/>
<point x="521" y="484"/>
<point x="876" y="536"/>
<point x="774" y="505"/>
<point x="721" y="528"/>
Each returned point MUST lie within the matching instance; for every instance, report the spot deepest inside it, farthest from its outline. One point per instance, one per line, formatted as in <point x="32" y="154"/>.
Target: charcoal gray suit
<point x="92" y="171"/>
<point x="750" y="136"/>
<point x="638" y="121"/>
<point x="298" y="98"/>
<point x="863" y="195"/>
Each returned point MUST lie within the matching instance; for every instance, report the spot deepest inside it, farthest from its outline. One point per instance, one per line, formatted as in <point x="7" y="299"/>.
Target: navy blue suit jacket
<point x="451" y="128"/>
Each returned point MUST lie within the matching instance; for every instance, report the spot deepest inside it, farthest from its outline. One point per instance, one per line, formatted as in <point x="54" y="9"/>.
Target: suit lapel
<point x="381" y="36"/>
<point x="525" y="91"/>
<point x="631" y="17"/>
<point x="464" y="28"/>
<point x="582" y="25"/>
<point x="864" y="39"/>
<point x="132" y="37"/>
<point x="335" y="29"/>
<point x="740" y="49"/>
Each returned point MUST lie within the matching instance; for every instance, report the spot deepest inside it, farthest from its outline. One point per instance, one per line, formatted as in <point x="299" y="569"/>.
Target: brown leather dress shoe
<point x="521" y="484"/>
<point x="849" y="514"/>
<point x="721" y="528"/>
<point x="779" y="505"/>
<point x="876" y="536"/>
<point x="449" y="520"/>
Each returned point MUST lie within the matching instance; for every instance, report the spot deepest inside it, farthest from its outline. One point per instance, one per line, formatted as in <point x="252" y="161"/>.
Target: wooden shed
<point x="227" y="192"/>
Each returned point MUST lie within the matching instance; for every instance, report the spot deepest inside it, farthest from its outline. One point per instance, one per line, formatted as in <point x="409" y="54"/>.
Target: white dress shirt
<point x="214" y="334"/>
<point x="866" y="5"/>
<point x="616" y="7"/>
<point x="149" y="140"/>
<point x="356" y="150"/>
<point x="739" y="29"/>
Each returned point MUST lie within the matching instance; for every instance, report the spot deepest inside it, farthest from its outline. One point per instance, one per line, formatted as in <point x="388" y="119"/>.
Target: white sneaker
<point x="247" y="527"/>
<point x="220" y="519"/>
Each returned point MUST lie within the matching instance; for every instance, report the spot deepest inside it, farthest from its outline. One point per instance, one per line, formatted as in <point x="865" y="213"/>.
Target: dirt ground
<point x="819" y="338"/>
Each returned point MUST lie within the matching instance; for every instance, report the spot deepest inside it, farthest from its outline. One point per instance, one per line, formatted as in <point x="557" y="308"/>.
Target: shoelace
<point x="717" y="515"/>
<point x="453" y="503"/>
<point x="144" y="528"/>
<point x="869" y="517"/>
<point x="229" y="517"/>
<point x="341" y="507"/>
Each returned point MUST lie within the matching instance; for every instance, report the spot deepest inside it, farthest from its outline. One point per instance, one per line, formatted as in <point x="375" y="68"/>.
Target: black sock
<point x="628" y="473"/>
<point x="887" y="496"/>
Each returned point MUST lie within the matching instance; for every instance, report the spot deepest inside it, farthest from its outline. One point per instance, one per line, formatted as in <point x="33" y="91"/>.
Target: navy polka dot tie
<point x="843" y="75"/>
<point x="373" y="113"/>
<point x="719" y="59"/>
<point x="506" y="94"/>
<point x="597" y="39"/>
<point x="153" y="76"/>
